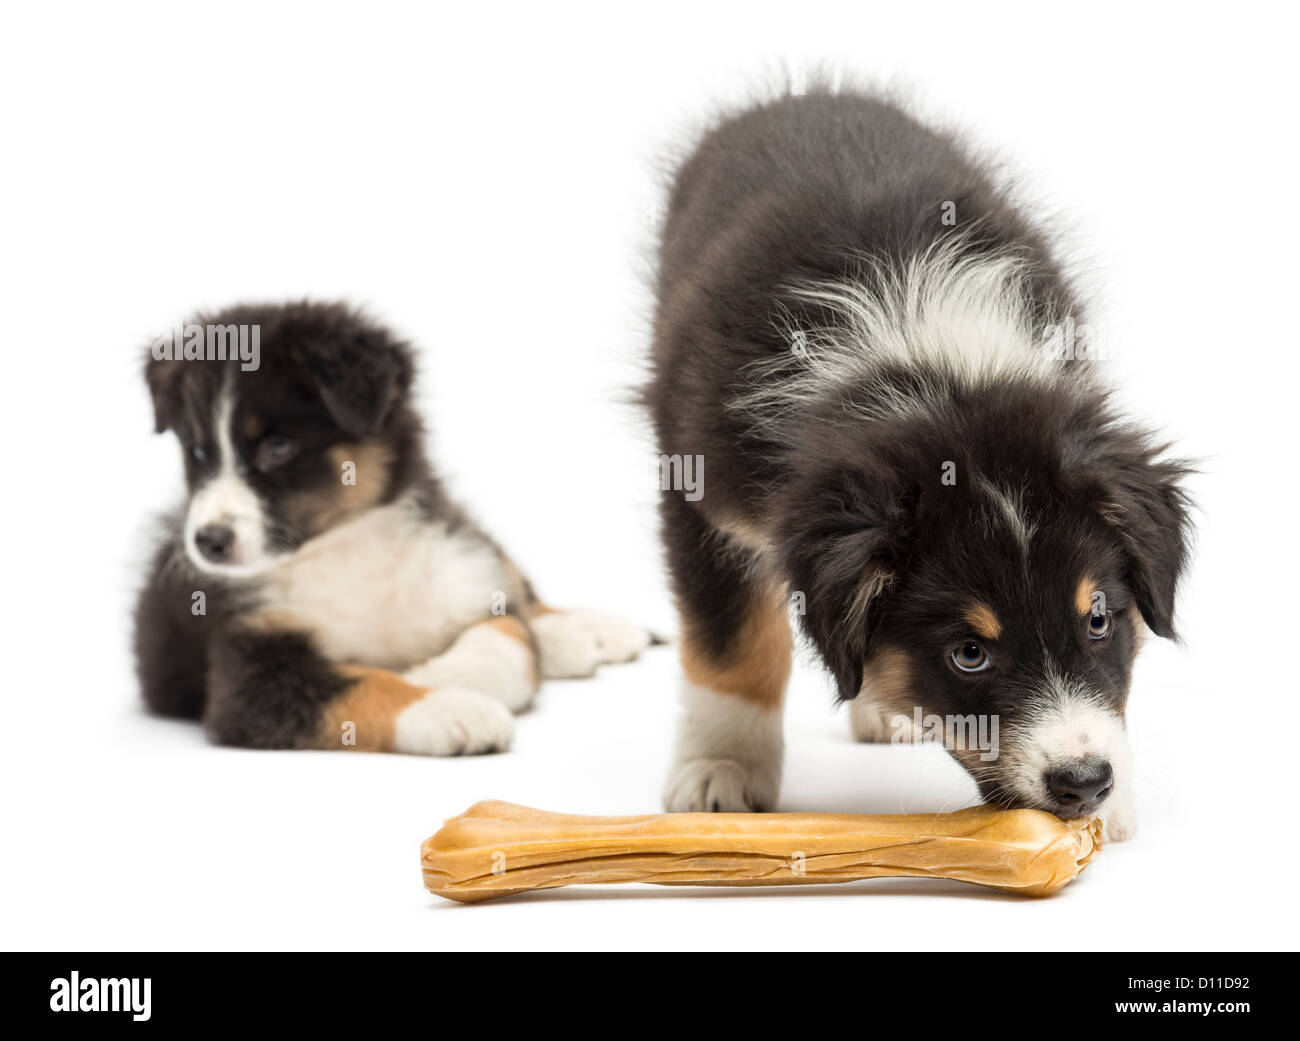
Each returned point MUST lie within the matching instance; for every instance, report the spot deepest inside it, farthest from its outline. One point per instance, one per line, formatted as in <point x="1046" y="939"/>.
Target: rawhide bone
<point x="497" y="848"/>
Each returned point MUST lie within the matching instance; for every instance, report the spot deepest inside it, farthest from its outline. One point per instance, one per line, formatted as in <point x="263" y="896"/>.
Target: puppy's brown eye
<point x="1099" y="626"/>
<point x="970" y="657"/>
<point x="275" y="451"/>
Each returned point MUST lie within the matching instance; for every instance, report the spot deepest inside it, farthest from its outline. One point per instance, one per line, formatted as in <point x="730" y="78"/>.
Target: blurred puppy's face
<point x="282" y="453"/>
<point x="267" y="469"/>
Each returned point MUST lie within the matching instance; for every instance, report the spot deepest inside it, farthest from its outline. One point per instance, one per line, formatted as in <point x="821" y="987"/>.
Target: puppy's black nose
<point x="215" y="541"/>
<point x="1078" y="787"/>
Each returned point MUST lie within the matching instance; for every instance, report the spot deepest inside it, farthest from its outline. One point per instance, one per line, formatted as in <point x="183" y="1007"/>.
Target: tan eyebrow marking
<point x="1083" y="594"/>
<point x="981" y="618"/>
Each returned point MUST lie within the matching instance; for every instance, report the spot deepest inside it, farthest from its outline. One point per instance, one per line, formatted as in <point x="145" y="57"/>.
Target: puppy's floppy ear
<point x="844" y="534"/>
<point x="163" y="375"/>
<point x="1143" y="502"/>
<point x="361" y="372"/>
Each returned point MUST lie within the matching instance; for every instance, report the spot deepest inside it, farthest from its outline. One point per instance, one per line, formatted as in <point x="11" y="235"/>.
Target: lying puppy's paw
<point x="484" y="660"/>
<point x="453" y="721"/>
<point x="619" y="640"/>
<point x="1118" y="819"/>
<point x="571" y="644"/>
<point x="720" y="786"/>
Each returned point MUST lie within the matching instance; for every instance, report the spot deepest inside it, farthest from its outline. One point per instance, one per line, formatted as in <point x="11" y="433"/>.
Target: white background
<point x="487" y="183"/>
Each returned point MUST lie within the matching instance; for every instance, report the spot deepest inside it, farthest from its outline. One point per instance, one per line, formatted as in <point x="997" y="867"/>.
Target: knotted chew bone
<point x="496" y="849"/>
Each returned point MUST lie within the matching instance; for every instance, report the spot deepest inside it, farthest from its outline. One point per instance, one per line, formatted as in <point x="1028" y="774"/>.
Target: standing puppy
<point x="857" y="359"/>
<point x="320" y="589"/>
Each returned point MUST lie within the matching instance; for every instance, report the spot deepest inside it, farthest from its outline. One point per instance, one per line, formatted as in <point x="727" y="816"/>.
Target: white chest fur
<point x="389" y="589"/>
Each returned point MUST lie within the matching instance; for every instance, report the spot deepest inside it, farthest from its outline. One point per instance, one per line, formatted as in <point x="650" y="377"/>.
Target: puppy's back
<point x="794" y="191"/>
<point x="812" y="162"/>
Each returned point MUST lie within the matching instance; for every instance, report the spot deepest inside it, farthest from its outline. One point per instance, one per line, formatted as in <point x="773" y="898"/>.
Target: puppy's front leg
<point x="495" y="657"/>
<point x="274" y="690"/>
<point x="736" y="649"/>
<point x="729" y="741"/>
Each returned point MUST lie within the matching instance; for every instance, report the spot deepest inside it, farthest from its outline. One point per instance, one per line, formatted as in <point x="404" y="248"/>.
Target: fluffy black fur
<point x="800" y="190"/>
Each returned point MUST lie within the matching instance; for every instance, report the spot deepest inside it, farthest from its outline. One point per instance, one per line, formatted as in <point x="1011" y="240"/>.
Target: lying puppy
<point x="862" y="360"/>
<point x="320" y="589"/>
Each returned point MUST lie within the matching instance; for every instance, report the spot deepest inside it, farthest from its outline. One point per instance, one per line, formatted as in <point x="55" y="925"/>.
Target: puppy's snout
<point x="1080" y="786"/>
<point x="216" y="542"/>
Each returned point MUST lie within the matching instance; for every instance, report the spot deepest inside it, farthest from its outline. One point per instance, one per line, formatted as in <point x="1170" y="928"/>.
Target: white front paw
<point x="571" y="644"/>
<point x="1118" y="819"/>
<point x="453" y="721"/>
<point x="720" y="786"/>
<point x="619" y="640"/>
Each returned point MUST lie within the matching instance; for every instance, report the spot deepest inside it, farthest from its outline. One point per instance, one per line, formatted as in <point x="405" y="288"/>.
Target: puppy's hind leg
<point x="736" y="650"/>
<point x="273" y="690"/>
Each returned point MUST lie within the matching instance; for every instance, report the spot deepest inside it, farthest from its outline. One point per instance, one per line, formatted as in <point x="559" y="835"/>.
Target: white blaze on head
<point x="226" y="499"/>
<point x="1007" y="509"/>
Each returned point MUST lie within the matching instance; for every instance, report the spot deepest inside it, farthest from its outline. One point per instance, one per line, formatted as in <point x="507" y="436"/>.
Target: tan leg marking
<point x="510" y="625"/>
<point x="519" y="592"/>
<point x="370" y="706"/>
<point x="984" y="621"/>
<point x="757" y="667"/>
